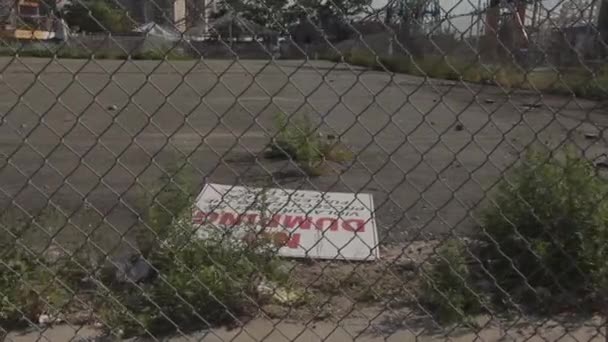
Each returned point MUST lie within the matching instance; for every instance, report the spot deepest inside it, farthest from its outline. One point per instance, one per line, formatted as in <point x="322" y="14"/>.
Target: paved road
<point x="59" y="139"/>
<point x="363" y="326"/>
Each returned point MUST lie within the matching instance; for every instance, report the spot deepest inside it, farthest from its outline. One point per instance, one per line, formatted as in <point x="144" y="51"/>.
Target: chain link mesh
<point x="477" y="128"/>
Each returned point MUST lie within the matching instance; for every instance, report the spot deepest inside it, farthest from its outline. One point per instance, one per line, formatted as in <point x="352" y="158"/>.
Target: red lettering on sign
<point x="272" y="223"/>
<point x="354" y="225"/>
<point x="297" y="222"/>
<point x="251" y="218"/>
<point x="228" y="219"/>
<point x="199" y="217"/>
<point x="289" y="221"/>
<point x="212" y="217"/>
<point x="294" y="241"/>
<point x="323" y="221"/>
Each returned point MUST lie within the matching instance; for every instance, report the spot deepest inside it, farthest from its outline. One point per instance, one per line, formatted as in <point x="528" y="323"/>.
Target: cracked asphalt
<point x="430" y="151"/>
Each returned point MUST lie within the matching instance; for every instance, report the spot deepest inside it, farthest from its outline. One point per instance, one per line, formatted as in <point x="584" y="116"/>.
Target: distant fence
<point x="106" y="45"/>
<point x="560" y="48"/>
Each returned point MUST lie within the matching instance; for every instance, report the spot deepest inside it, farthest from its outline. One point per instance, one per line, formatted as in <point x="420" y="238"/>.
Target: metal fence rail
<point x="304" y="171"/>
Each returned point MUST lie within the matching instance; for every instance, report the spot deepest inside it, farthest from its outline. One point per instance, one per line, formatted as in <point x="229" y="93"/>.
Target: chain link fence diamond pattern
<point x="323" y="170"/>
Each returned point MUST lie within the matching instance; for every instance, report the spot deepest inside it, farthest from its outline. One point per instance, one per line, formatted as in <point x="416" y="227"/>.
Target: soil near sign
<point x="325" y="225"/>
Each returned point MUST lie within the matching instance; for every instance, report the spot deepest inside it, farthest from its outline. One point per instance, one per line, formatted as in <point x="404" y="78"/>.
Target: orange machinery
<point x="27" y="20"/>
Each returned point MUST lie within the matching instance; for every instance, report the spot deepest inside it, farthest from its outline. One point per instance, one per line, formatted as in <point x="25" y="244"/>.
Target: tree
<point x="411" y="14"/>
<point x="337" y="8"/>
<point x="268" y="13"/>
<point x="349" y="7"/>
<point x="332" y="16"/>
<point x="96" y="16"/>
<point x="280" y="14"/>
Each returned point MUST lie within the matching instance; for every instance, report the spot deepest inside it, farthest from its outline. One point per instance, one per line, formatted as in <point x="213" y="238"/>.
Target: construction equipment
<point x="26" y="20"/>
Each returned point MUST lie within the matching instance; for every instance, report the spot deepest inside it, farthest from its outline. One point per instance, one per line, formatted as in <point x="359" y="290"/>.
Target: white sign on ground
<point x="324" y="225"/>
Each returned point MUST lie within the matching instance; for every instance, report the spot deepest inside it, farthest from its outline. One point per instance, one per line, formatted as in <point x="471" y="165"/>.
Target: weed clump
<point x="179" y="280"/>
<point x="448" y="290"/>
<point x="578" y="82"/>
<point x="543" y="243"/>
<point x="70" y="52"/>
<point x="198" y="282"/>
<point x="299" y="140"/>
<point x="29" y="285"/>
<point x="547" y="231"/>
<point x="195" y="281"/>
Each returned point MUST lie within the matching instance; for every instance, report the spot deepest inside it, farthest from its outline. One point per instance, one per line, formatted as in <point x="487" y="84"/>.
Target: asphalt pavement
<point x="99" y="132"/>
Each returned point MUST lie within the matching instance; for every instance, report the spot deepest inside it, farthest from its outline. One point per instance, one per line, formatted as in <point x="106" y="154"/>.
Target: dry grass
<point x="573" y="81"/>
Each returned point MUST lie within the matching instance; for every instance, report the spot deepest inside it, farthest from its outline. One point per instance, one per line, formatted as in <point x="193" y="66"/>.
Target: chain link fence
<point x="317" y="170"/>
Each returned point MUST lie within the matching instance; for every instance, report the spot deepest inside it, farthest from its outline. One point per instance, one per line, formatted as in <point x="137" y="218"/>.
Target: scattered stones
<point x="532" y="105"/>
<point x="406" y="266"/>
<point x="601" y="162"/>
<point x="287" y="296"/>
<point x="53" y="253"/>
<point x="322" y="313"/>
<point x="45" y="319"/>
<point x="83" y="317"/>
<point x="279" y="294"/>
<point x="265" y="289"/>
<point x="489" y="101"/>
<point x="591" y="136"/>
<point x="133" y="268"/>
<point x="113" y="107"/>
<point x="507" y="338"/>
<point x="102" y="338"/>
<point x="276" y="311"/>
<point x="459" y="127"/>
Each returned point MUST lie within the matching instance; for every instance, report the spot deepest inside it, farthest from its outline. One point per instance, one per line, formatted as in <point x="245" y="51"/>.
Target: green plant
<point x="439" y="67"/>
<point x="159" y="54"/>
<point x="199" y="282"/>
<point x="447" y="288"/>
<point x="298" y="139"/>
<point x="97" y="16"/>
<point x="363" y="58"/>
<point x="396" y="64"/>
<point x="546" y="233"/>
<point x="13" y="298"/>
<point x="577" y="81"/>
<point x="335" y="56"/>
<point x="170" y="196"/>
<point x="28" y="285"/>
<point x="201" y="275"/>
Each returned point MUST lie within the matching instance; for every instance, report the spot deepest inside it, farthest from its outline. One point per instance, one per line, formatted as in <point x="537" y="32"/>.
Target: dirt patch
<point x="338" y="288"/>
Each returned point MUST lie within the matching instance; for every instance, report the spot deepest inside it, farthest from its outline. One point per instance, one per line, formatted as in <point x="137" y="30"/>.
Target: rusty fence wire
<point x="321" y="170"/>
